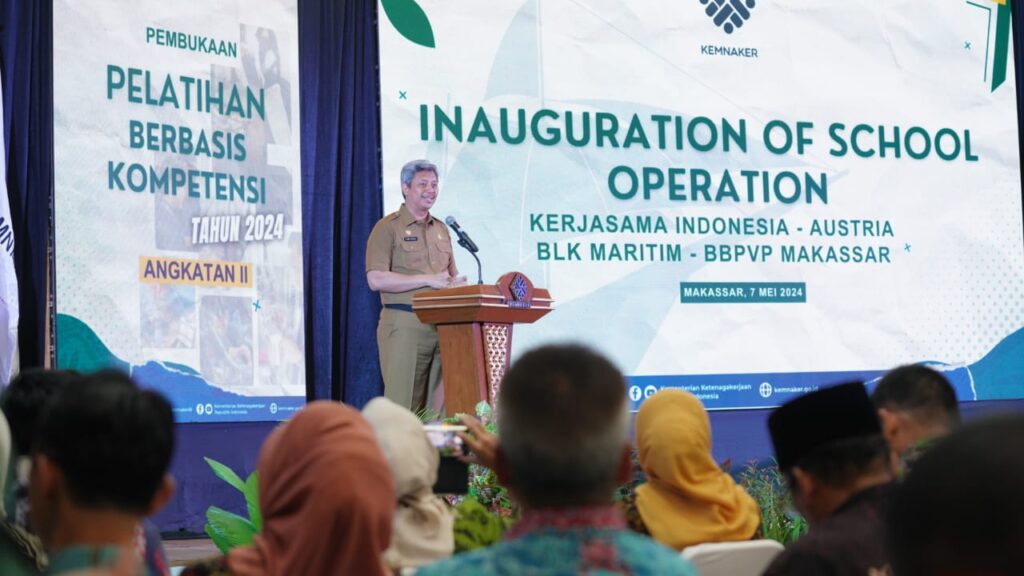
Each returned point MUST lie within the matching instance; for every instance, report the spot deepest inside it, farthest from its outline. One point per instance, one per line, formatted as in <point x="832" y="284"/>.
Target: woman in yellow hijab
<point x="687" y="498"/>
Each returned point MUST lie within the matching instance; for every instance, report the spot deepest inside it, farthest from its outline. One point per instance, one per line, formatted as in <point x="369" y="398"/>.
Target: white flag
<point x="8" y="281"/>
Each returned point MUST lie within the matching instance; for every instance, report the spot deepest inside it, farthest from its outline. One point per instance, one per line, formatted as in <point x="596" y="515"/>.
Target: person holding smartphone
<point x="562" y="472"/>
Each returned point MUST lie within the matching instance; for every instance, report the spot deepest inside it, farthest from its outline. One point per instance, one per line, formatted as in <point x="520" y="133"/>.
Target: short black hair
<point x="24" y="399"/>
<point x="563" y="425"/>
<point x="841" y="462"/>
<point x="960" y="509"/>
<point x="920" y="391"/>
<point x="112" y="441"/>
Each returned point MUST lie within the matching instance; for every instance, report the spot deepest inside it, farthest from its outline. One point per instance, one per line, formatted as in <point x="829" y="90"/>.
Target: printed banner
<point x="8" y="278"/>
<point x="745" y="199"/>
<point x="177" y="201"/>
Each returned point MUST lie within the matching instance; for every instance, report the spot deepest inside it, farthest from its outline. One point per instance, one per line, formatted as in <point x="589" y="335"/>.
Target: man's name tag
<point x="410" y="238"/>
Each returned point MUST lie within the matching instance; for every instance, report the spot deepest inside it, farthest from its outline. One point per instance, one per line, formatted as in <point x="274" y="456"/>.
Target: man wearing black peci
<point x="829" y="446"/>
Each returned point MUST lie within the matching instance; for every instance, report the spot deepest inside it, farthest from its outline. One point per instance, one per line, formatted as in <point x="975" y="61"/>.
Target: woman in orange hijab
<point x="327" y="499"/>
<point x="687" y="498"/>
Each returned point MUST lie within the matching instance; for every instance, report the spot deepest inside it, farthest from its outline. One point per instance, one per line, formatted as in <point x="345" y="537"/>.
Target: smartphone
<point x="445" y="437"/>
<point x="452" y="473"/>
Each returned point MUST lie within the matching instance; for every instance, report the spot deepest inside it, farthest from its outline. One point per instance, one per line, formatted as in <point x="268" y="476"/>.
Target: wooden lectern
<point x="474" y="328"/>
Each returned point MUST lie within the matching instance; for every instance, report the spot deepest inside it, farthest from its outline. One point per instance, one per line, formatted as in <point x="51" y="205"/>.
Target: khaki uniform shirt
<point x="399" y="243"/>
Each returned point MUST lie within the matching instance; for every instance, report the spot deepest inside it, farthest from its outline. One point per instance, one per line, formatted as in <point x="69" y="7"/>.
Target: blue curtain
<point x="25" y="57"/>
<point x="341" y="201"/>
<point x="341" y="192"/>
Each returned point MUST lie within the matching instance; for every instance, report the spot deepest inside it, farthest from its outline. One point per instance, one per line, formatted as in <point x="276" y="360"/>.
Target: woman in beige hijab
<point x="422" y="530"/>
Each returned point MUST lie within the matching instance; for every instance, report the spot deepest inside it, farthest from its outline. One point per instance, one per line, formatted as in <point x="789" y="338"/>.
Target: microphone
<point x="464" y="240"/>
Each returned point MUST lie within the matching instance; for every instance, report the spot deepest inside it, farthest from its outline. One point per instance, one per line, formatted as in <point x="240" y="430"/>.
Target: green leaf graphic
<point x="410" y="20"/>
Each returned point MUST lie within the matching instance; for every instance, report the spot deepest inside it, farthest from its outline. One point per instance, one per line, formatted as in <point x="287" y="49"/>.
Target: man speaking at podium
<point x="409" y="251"/>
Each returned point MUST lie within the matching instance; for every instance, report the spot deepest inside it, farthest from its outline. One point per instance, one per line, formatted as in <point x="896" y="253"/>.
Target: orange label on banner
<point x="158" y="270"/>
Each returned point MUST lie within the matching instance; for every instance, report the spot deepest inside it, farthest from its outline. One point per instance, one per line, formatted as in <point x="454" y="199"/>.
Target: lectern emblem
<point x="516" y="290"/>
<point x="519" y="287"/>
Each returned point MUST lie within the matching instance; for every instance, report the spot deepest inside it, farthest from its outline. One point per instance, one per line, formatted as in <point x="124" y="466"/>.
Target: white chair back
<point x="748" y="558"/>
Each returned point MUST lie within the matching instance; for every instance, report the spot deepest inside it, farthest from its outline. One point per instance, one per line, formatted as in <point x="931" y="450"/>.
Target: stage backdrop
<point x="177" y="200"/>
<point x="744" y="199"/>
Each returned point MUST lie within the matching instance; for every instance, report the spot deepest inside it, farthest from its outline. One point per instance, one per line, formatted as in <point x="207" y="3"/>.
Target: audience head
<point x="687" y="498"/>
<point x="563" y="428"/>
<point x="23" y="401"/>
<point x="960" y="509"/>
<point x="829" y="445"/>
<point x="422" y="530"/>
<point x="326" y="496"/>
<point x="915" y="403"/>
<point x="102" y="444"/>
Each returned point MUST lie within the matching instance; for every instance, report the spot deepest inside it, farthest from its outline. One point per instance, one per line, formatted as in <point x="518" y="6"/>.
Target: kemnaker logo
<point x="729" y="14"/>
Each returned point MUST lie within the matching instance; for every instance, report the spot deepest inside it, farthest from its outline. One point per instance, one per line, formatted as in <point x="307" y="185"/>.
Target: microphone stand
<point x="479" y="267"/>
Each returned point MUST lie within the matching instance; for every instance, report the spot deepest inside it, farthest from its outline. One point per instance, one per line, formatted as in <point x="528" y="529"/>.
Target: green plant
<point x="766" y="484"/>
<point x="483" y="482"/>
<point x="477" y="526"/>
<point x="428" y="415"/>
<point x="227" y="529"/>
<point x="485" y="488"/>
<point x="625" y="491"/>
